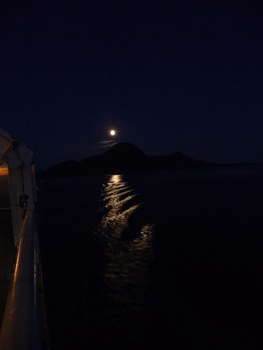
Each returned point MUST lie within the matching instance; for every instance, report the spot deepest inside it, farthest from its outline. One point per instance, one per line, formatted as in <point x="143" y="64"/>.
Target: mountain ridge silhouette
<point x="124" y="158"/>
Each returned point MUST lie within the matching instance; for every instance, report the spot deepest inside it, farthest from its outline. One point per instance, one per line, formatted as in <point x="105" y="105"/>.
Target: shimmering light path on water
<point x="128" y="256"/>
<point x="158" y="260"/>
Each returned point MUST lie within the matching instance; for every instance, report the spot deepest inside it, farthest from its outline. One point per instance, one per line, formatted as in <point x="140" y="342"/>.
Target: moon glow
<point x="112" y="132"/>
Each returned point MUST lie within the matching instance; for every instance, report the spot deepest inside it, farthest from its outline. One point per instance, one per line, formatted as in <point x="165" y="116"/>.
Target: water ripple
<point x="127" y="242"/>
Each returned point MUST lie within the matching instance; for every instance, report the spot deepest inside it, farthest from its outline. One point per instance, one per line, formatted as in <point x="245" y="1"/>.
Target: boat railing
<point x="21" y="327"/>
<point x="22" y="323"/>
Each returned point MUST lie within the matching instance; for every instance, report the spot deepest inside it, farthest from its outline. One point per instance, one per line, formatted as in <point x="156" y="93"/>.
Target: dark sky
<point x="168" y="75"/>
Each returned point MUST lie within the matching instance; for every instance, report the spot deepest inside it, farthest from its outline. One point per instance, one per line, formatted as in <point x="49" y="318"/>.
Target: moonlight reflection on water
<point x="154" y="261"/>
<point x="116" y="196"/>
<point x="128" y="254"/>
<point x="127" y="247"/>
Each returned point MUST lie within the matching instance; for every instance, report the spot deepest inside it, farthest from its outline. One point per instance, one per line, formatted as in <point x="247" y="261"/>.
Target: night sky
<point x="167" y="75"/>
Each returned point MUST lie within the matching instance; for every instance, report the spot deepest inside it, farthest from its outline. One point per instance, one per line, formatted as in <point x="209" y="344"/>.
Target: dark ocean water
<point x="154" y="260"/>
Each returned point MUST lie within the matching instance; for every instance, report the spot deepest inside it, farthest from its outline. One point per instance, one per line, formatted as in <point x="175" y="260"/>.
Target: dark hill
<point x="175" y="160"/>
<point x="123" y="158"/>
<point x="120" y="158"/>
<point x="125" y="152"/>
<point x="68" y="167"/>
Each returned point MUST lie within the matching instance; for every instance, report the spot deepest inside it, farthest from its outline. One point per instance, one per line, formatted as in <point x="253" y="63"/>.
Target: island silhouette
<point x="125" y="158"/>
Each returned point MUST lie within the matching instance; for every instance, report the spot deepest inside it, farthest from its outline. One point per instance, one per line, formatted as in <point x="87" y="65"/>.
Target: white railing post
<point x="16" y="190"/>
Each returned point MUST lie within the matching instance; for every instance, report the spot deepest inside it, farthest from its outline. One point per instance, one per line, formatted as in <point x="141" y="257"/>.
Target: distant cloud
<point x="104" y="144"/>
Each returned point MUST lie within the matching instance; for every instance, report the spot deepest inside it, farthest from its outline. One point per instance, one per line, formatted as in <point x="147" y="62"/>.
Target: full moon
<point x="112" y="132"/>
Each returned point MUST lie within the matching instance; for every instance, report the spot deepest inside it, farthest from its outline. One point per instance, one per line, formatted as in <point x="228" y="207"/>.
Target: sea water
<point x="154" y="260"/>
